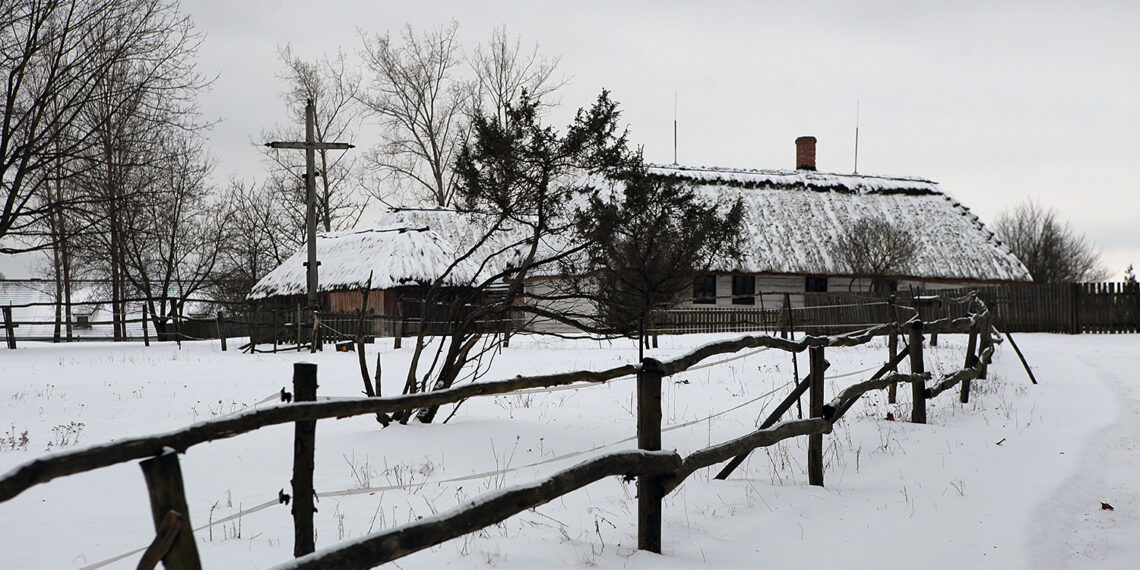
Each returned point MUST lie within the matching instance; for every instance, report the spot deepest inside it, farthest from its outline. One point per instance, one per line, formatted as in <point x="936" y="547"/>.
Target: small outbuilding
<point x="387" y="269"/>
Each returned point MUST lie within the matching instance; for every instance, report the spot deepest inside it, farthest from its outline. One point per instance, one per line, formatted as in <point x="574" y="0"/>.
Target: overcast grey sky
<point x="997" y="101"/>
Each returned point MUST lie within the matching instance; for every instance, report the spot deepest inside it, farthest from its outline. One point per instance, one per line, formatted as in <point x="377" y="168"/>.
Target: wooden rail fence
<point x="1062" y="308"/>
<point x="658" y="472"/>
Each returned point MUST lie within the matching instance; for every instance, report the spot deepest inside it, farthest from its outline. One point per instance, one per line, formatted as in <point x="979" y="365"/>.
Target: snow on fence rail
<point x="657" y="472"/>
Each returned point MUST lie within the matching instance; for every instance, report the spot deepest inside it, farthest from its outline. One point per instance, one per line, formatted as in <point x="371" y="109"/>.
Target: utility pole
<point x="310" y="146"/>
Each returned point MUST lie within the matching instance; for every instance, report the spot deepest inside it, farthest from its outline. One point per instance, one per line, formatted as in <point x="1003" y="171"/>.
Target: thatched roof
<point x="393" y="256"/>
<point x="409" y="247"/>
<point x="794" y="220"/>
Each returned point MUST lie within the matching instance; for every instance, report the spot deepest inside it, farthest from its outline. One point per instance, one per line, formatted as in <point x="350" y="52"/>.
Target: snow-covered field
<point x="1015" y="479"/>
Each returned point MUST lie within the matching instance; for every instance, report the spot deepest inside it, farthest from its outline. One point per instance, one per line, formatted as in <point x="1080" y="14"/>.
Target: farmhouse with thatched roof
<point x="794" y="224"/>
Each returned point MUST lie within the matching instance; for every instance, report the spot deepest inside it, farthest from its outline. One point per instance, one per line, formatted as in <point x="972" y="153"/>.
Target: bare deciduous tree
<point x="502" y="72"/>
<point x="876" y="249"/>
<point x="425" y="99"/>
<point x="55" y="55"/>
<point x="334" y="88"/>
<point x="176" y="233"/>
<point x="1051" y="250"/>
<point x="132" y="116"/>
<point x="262" y="234"/>
<point x="419" y="101"/>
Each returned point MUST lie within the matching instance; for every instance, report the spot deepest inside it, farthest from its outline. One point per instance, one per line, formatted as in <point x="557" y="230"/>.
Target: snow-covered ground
<point x="1015" y="479"/>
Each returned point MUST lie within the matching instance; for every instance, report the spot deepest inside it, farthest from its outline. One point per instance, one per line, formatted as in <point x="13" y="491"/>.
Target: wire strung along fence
<point x="657" y="472"/>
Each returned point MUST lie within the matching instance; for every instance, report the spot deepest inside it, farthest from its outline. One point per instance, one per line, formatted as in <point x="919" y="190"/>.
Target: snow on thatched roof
<point x="820" y="181"/>
<point x="794" y="220"/>
<point x="410" y="246"/>
<point x="463" y="230"/>
<point x="393" y="255"/>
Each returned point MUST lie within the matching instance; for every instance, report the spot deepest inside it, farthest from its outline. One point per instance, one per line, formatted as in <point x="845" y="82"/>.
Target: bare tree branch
<point x="874" y="248"/>
<point x="1051" y="250"/>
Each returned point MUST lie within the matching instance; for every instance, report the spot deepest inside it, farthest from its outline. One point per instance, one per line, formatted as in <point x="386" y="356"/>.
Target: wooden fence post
<point x="1021" y="357"/>
<point x="815" y="441"/>
<point x="984" y="343"/>
<point x="222" y="329"/>
<point x="368" y="391"/>
<point x="164" y="485"/>
<point x="360" y="339"/>
<point x="507" y="328"/>
<point x="9" y="333"/>
<point x="315" y="340"/>
<point x="1075" y="299"/>
<point x="893" y="348"/>
<point x="790" y="331"/>
<point x="787" y="321"/>
<point x="300" y="327"/>
<point x="1134" y="291"/>
<point x="971" y="360"/>
<point x="917" y="387"/>
<point x="935" y="308"/>
<point x="397" y="326"/>
<point x="649" y="488"/>
<point x="146" y="331"/>
<point x="277" y="334"/>
<point x="304" y="441"/>
<point x="176" y="322"/>
<point x="378" y="393"/>
<point x="254" y="322"/>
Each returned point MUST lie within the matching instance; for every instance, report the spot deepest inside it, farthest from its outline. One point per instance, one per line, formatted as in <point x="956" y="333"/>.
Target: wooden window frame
<point x="743" y="289"/>
<point x="701" y="290"/>
<point x="812" y="284"/>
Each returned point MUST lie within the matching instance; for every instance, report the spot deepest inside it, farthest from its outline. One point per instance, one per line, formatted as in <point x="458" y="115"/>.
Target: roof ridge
<point x="781" y="172"/>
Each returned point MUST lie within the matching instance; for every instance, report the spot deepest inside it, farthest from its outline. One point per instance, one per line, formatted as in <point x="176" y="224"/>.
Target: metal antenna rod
<point x="674" y="127"/>
<point x="856" y="136"/>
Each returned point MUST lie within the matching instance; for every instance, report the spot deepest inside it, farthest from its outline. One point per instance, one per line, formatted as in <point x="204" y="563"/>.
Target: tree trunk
<point x="56" y="269"/>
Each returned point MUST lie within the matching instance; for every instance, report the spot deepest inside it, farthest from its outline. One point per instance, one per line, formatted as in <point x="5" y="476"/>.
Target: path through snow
<point x="1071" y="528"/>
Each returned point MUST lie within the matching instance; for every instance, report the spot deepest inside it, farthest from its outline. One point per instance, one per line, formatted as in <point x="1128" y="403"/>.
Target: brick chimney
<point x="805" y="153"/>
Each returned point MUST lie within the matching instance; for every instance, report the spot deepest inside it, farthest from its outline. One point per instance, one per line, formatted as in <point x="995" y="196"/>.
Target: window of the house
<point x="82" y="321"/>
<point x="743" y="289"/>
<point x="704" y="290"/>
<point x="815" y="285"/>
<point x="889" y="287"/>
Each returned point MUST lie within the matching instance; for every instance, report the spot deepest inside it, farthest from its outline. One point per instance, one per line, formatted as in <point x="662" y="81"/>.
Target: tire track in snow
<point x="1070" y="529"/>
